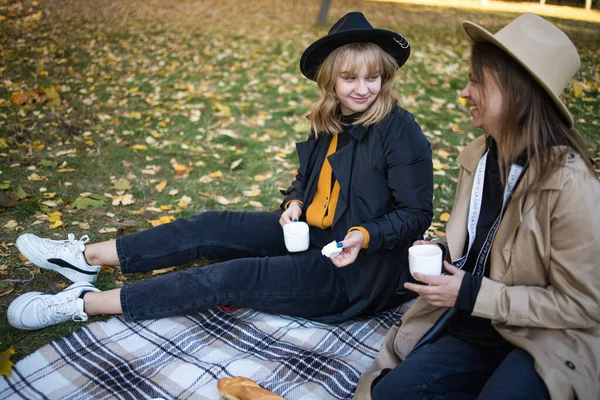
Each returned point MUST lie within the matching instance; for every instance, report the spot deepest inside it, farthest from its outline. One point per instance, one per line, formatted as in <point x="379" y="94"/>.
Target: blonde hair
<point x="325" y="113"/>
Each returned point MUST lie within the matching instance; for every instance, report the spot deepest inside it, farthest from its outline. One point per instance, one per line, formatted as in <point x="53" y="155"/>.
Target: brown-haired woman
<point x="520" y="297"/>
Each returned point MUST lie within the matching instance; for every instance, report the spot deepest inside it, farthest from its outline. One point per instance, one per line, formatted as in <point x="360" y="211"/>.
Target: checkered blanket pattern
<point x="183" y="357"/>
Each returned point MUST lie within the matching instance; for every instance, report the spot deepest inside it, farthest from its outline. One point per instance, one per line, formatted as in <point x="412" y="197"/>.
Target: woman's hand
<point x="351" y="246"/>
<point x="293" y="212"/>
<point x="439" y="291"/>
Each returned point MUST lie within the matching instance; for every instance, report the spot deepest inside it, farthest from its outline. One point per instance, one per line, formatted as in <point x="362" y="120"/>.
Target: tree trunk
<point x="542" y="2"/>
<point x="322" y="19"/>
<point x="588" y="5"/>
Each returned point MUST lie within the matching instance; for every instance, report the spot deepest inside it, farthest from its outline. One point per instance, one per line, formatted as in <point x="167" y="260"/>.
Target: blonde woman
<point x="520" y="297"/>
<point x="365" y="179"/>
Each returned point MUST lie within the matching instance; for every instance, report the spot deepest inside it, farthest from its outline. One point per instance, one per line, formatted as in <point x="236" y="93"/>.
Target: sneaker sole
<point x="71" y="274"/>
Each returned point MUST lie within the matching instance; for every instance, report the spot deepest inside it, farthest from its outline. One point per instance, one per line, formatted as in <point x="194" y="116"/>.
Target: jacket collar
<point x="456" y="229"/>
<point x="358" y="132"/>
<point x="470" y="156"/>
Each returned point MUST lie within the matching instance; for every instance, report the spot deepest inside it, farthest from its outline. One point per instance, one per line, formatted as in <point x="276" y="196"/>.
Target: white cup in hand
<point x="296" y="236"/>
<point x="425" y="259"/>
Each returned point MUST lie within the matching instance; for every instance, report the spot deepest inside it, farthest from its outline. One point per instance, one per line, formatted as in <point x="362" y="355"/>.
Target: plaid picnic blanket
<point x="183" y="357"/>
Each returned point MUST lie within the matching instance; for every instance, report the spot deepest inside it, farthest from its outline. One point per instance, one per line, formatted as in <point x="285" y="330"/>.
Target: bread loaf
<point x="240" y="388"/>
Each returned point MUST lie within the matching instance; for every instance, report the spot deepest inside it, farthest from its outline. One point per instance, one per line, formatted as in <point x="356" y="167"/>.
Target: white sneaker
<point x="63" y="256"/>
<point x="37" y="310"/>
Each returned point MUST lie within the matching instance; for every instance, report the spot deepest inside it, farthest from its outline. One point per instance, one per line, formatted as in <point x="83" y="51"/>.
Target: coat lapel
<point x="513" y="216"/>
<point x="342" y="162"/>
<point x="457" y="234"/>
<point x="311" y="154"/>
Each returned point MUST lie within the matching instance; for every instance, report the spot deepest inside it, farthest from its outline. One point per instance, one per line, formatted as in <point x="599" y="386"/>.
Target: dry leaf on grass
<point x="162" y="270"/>
<point x="5" y="364"/>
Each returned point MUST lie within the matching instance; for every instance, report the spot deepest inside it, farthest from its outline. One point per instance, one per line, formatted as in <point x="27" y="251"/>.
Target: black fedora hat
<point x="351" y="28"/>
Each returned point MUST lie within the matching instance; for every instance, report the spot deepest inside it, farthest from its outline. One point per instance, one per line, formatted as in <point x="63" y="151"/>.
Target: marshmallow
<point x="331" y="250"/>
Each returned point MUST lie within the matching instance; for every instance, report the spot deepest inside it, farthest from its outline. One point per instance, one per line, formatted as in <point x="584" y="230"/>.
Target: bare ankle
<point x="102" y="303"/>
<point x="103" y="253"/>
<point x="86" y="309"/>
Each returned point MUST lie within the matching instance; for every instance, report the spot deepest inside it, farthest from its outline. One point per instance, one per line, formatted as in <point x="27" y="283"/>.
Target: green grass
<point x="203" y="87"/>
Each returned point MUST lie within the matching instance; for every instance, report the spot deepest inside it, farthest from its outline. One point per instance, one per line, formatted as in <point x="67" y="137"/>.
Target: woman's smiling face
<point x="357" y="90"/>
<point x="486" y="101"/>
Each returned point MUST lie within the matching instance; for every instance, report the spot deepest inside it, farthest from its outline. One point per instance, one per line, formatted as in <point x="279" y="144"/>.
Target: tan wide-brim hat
<point x="541" y="48"/>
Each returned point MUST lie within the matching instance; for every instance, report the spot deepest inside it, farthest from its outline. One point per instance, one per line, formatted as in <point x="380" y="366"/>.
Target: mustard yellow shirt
<point x="321" y="210"/>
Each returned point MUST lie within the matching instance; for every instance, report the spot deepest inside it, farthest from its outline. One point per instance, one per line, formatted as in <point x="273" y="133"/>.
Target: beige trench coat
<point x="543" y="293"/>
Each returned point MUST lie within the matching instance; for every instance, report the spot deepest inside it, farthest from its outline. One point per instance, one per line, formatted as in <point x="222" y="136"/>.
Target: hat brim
<point x="391" y="42"/>
<point x="480" y="34"/>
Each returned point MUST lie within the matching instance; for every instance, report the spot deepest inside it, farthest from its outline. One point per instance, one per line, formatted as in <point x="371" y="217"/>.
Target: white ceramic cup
<point x="296" y="236"/>
<point x="425" y="259"/>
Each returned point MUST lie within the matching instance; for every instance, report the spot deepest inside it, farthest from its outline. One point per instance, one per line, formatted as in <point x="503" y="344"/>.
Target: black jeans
<point x="256" y="271"/>
<point x="452" y="369"/>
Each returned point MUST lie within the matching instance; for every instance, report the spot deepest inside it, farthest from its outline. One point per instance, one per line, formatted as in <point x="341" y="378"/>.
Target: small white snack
<point x="331" y="250"/>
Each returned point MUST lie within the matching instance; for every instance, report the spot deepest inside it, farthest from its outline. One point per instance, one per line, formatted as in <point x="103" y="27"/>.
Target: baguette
<point x="240" y="388"/>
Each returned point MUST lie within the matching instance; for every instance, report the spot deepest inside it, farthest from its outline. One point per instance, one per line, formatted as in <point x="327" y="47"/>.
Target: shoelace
<point x="65" y="307"/>
<point x="72" y="245"/>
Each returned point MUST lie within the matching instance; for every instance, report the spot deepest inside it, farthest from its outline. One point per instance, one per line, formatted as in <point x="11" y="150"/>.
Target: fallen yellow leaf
<point x="442" y="153"/>
<point x="455" y="128"/>
<point x="162" y="270"/>
<point x="5" y="364"/>
<point x="161" y="186"/>
<point x="56" y="225"/>
<point x="254" y="191"/>
<point x="263" y="177"/>
<point x="445" y="217"/>
<point x="184" y="201"/>
<point x="125" y="200"/>
<point x="181" y="171"/>
<point x="55" y="216"/>
<point x="37" y="145"/>
<point x="437" y="165"/>
<point x="162" y="220"/>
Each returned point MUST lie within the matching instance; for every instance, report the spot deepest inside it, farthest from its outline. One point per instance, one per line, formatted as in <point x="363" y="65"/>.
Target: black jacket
<point x="386" y="186"/>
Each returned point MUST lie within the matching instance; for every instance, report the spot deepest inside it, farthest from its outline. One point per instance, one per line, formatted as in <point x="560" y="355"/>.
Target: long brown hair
<point x="325" y="113"/>
<point x="530" y="117"/>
